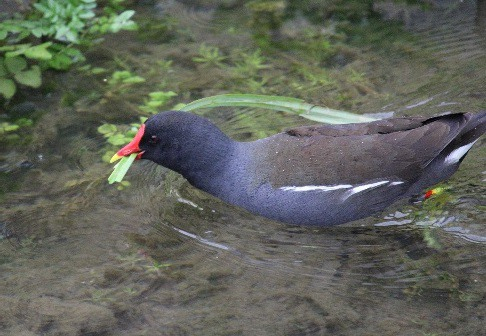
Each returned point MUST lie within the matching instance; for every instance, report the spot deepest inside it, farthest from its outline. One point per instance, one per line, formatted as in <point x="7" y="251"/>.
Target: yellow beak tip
<point x="115" y="157"/>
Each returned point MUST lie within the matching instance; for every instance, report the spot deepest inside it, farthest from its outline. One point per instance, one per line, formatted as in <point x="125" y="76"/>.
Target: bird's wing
<point x="355" y="153"/>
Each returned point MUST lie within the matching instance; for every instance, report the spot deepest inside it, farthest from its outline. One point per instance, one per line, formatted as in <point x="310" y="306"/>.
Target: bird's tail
<point x="474" y="128"/>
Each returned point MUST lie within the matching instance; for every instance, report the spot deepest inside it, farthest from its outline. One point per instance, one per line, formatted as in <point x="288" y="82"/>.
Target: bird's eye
<point x="153" y="139"/>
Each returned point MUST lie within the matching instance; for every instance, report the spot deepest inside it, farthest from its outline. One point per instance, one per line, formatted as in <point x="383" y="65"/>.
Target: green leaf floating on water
<point x="121" y="168"/>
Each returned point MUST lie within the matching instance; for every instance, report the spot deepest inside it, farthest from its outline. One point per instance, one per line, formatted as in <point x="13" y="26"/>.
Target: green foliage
<point x="209" y="55"/>
<point x="124" y="77"/>
<point x="114" y="23"/>
<point x="45" y="39"/>
<point x="117" y="137"/>
<point x="8" y="130"/>
<point x="63" y="20"/>
<point x="157" y="99"/>
<point x="250" y="64"/>
<point x="120" y="81"/>
<point x="15" y="69"/>
<point x="157" y="267"/>
<point x="121" y="169"/>
<point x="92" y="70"/>
<point x="312" y="76"/>
<point x="6" y="127"/>
<point x="278" y="103"/>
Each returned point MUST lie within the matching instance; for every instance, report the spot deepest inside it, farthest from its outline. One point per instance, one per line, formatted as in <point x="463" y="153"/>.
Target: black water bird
<point x="319" y="175"/>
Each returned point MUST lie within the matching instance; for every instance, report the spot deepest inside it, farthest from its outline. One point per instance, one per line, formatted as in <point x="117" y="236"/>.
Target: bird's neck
<point x="203" y="158"/>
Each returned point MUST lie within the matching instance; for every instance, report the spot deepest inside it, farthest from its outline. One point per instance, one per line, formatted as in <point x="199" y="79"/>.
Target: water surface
<point x="162" y="258"/>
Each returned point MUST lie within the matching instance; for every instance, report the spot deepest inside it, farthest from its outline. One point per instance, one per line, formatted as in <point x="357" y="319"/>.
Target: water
<point x="78" y="256"/>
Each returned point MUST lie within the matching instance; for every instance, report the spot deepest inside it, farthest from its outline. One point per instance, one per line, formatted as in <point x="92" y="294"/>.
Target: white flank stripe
<point x="320" y="188"/>
<point x="353" y="191"/>
<point x="458" y="153"/>
<point x="366" y="186"/>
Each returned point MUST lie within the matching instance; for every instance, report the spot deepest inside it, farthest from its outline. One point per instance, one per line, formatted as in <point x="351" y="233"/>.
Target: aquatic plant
<point x="6" y="127"/>
<point x="124" y="77"/>
<point x="256" y="85"/>
<point x="157" y="267"/>
<point x="250" y="64"/>
<point x="278" y="103"/>
<point x="156" y="100"/>
<point x="121" y="169"/>
<point x="313" y="76"/>
<point x="8" y="130"/>
<point x="45" y="38"/>
<point x="116" y="137"/>
<point x="209" y="55"/>
<point x="14" y="70"/>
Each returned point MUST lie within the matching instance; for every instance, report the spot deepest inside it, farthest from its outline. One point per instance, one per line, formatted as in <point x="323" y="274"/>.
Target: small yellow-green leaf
<point x="39" y="52"/>
<point x="133" y="80"/>
<point x="154" y="103"/>
<point x="7" y="88"/>
<point x="60" y="61"/>
<point x="117" y="140"/>
<point x="107" y="129"/>
<point x="15" y="64"/>
<point x="98" y="70"/>
<point x="162" y="95"/>
<point x="8" y="127"/>
<point x="31" y="77"/>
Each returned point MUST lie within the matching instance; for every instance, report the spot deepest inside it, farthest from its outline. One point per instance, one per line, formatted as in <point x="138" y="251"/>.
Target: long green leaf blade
<point x="121" y="168"/>
<point x="284" y="104"/>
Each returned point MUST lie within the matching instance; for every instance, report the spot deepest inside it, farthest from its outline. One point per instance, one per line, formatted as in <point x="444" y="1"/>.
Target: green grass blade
<point x="284" y="104"/>
<point x="121" y="168"/>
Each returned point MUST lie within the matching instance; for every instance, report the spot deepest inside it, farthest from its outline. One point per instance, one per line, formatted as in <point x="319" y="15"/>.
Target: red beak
<point x="132" y="147"/>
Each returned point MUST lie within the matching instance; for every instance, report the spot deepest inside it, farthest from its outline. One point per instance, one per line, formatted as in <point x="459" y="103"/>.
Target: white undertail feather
<point x="458" y="153"/>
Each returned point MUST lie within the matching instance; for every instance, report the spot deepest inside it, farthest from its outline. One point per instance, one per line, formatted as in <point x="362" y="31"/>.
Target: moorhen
<point x="319" y="175"/>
